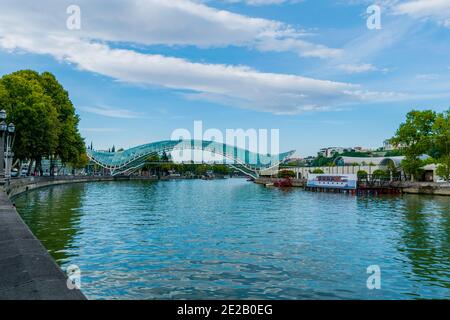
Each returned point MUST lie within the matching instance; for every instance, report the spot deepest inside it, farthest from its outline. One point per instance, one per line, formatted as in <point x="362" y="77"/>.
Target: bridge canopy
<point x="127" y="161"/>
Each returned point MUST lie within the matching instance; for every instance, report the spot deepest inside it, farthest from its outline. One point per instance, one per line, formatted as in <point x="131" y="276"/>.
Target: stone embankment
<point x="27" y="271"/>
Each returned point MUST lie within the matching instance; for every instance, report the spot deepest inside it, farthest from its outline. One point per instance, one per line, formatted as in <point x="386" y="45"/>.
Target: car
<point x="14" y="173"/>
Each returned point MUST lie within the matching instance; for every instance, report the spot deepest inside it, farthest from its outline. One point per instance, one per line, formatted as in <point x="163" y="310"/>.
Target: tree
<point x="71" y="147"/>
<point x="286" y="174"/>
<point x="362" y="175"/>
<point x="441" y="143"/>
<point x="81" y="162"/>
<point x="164" y="157"/>
<point x="321" y="161"/>
<point x="318" y="171"/>
<point x="415" y="137"/>
<point x="33" y="113"/>
<point x="201" y="169"/>
<point x="380" y="174"/>
<point x="45" y="119"/>
<point x="443" y="170"/>
<point x="221" y="169"/>
<point x="152" y="164"/>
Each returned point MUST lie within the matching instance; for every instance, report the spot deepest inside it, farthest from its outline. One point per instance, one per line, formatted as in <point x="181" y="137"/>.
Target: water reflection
<point x="425" y="239"/>
<point x="53" y="215"/>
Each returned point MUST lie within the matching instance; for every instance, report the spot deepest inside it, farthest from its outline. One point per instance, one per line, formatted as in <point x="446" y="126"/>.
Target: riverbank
<point x="18" y="186"/>
<point x="407" y="187"/>
<point x="298" y="183"/>
<point x="28" y="272"/>
<point x="430" y="188"/>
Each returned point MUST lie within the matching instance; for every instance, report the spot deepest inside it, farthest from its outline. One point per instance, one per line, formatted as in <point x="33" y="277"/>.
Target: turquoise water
<point x="231" y="238"/>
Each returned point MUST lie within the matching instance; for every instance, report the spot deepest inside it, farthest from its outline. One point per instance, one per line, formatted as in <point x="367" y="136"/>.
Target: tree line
<point x="45" y="119"/>
<point x="159" y="165"/>
<point x="424" y="133"/>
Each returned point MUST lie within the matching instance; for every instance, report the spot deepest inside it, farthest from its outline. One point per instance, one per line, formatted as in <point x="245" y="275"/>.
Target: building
<point x="368" y="161"/>
<point x="387" y="145"/>
<point x="330" y="151"/>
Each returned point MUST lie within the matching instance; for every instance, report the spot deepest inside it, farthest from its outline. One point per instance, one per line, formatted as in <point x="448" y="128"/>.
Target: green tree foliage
<point x="380" y="174"/>
<point x="443" y="170"/>
<point x="322" y="161"/>
<point x="286" y="174"/>
<point x="318" y="171"/>
<point x="414" y="136"/>
<point x="441" y="143"/>
<point x="394" y="153"/>
<point x="45" y="119"/>
<point x="362" y="175"/>
<point x="221" y="169"/>
<point x="201" y="169"/>
<point x="424" y="132"/>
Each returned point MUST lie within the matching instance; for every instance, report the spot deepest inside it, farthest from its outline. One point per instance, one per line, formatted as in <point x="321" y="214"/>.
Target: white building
<point x="330" y="151"/>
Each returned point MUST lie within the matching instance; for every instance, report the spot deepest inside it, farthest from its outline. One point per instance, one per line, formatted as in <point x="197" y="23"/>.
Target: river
<point x="232" y="239"/>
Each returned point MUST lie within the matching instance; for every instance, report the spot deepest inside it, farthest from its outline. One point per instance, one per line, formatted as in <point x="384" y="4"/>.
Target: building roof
<point x="379" y="161"/>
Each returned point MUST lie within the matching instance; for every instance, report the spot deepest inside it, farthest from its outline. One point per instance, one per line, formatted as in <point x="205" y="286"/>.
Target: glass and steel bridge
<point x="128" y="161"/>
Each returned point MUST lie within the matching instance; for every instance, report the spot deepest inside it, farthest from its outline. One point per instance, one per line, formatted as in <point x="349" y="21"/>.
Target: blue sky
<point x="138" y="70"/>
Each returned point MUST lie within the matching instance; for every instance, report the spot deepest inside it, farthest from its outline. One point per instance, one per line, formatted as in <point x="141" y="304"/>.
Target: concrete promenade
<point x="27" y="271"/>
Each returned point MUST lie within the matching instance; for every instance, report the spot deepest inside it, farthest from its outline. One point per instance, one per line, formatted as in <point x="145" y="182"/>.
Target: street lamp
<point x="11" y="128"/>
<point x="9" y="154"/>
<point x="3" y="129"/>
<point x="7" y="134"/>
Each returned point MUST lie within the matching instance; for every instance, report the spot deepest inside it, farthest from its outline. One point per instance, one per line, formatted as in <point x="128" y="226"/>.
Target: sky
<point x="137" y="70"/>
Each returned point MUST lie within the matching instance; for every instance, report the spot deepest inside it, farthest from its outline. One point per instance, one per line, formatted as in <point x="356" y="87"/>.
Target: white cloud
<point x="112" y="112"/>
<point x="237" y="86"/>
<point x="263" y="2"/>
<point x="231" y="85"/>
<point x="359" y="68"/>
<point x="438" y="10"/>
<point x="428" y="76"/>
<point x="160" y="22"/>
<point x="100" y="130"/>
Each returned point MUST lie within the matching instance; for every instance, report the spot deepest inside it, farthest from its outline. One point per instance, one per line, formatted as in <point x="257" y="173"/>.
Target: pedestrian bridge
<point x="128" y="161"/>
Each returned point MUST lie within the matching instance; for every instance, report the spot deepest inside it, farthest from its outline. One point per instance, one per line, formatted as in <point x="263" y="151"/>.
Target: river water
<point x="232" y="239"/>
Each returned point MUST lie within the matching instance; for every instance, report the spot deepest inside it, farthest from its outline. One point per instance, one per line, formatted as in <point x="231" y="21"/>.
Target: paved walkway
<point x="27" y="271"/>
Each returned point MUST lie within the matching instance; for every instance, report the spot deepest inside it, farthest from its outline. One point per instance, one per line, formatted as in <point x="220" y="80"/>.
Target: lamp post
<point x="9" y="154"/>
<point x="7" y="134"/>
<point x="3" y="128"/>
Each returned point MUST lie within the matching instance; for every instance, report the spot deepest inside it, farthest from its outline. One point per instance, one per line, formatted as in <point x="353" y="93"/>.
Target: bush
<point x="318" y="171"/>
<point x="443" y="171"/>
<point x="380" y="174"/>
<point x="362" y="175"/>
<point x="286" y="174"/>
